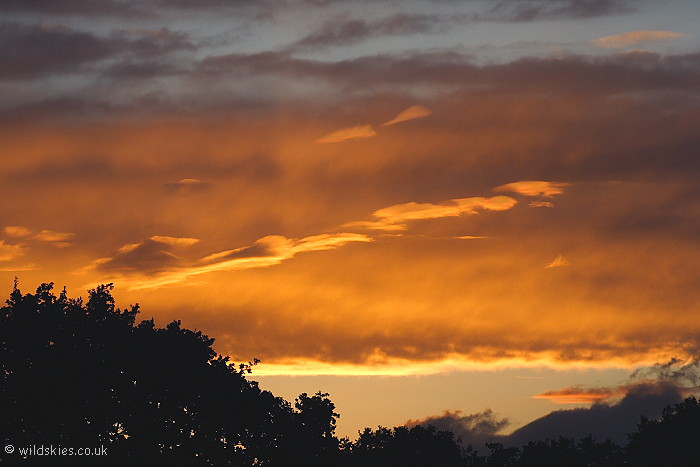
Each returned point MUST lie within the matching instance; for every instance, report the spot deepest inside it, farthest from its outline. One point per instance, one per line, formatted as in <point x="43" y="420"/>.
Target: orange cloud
<point x="681" y="378"/>
<point x="175" y="241"/>
<point x="375" y="225"/>
<point x="411" y="113"/>
<point x="581" y="395"/>
<point x="635" y="37"/>
<point x="559" y="262"/>
<point x="187" y="186"/>
<point x="393" y="218"/>
<point x="355" y="132"/>
<point x="400" y="213"/>
<point x="533" y="188"/>
<point x="267" y="251"/>
<point x="152" y="258"/>
<point x="541" y="204"/>
<point x="19" y="268"/>
<point x="17" y="231"/>
<point x="413" y="297"/>
<point x="51" y="236"/>
<point x="9" y="252"/>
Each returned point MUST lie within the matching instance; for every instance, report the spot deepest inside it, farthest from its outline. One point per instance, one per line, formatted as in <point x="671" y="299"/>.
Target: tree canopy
<point x="85" y="374"/>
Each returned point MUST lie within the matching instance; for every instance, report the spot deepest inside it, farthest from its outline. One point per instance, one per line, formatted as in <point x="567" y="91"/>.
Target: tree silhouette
<point x="77" y="374"/>
<point x="671" y="440"/>
<point x="84" y="374"/>
<point x="417" y="446"/>
<point x="565" y="451"/>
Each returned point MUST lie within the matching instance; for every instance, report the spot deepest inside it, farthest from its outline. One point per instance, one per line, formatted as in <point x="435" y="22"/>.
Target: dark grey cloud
<point x="35" y="50"/>
<point x="148" y="257"/>
<point x="31" y="50"/>
<point x="534" y="10"/>
<point x="220" y="82"/>
<point x="475" y="429"/>
<point x="68" y="107"/>
<point x="682" y="373"/>
<point x="350" y="31"/>
<point x="339" y="32"/>
<point x="127" y="70"/>
<point x="576" y="74"/>
<point x="126" y="8"/>
<point x="74" y="7"/>
<point x="150" y="43"/>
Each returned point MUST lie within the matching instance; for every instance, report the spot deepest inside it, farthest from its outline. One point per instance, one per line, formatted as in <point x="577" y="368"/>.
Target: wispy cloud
<point x="558" y="262"/>
<point x="38" y="50"/>
<point x="355" y="132"/>
<point x="636" y="37"/>
<point x="187" y="186"/>
<point x="535" y="10"/>
<point x="51" y="236"/>
<point x="533" y="188"/>
<point x="581" y="394"/>
<point x="44" y="235"/>
<point x="18" y="268"/>
<point x="411" y="113"/>
<point x="175" y="241"/>
<point x="17" y="231"/>
<point x="149" y="264"/>
<point x="153" y="262"/>
<point x="343" y="31"/>
<point x="9" y="252"/>
<point x="394" y="217"/>
<point x="149" y="257"/>
<point x="541" y="204"/>
<point x="473" y="429"/>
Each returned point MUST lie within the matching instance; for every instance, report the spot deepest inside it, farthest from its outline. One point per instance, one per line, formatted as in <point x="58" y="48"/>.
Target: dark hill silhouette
<point x="601" y="421"/>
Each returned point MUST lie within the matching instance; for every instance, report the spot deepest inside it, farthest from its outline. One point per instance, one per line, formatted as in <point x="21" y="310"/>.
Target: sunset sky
<point x="488" y="208"/>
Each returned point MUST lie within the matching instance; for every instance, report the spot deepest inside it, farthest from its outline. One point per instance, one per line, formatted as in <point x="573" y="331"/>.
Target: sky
<point x="473" y="212"/>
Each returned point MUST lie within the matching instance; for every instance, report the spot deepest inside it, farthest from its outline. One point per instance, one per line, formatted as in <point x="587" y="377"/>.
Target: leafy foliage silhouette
<point x="84" y="374"/>
<point x="417" y="447"/>
<point x="670" y="440"/>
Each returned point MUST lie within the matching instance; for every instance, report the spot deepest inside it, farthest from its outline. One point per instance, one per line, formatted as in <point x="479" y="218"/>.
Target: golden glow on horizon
<point x="456" y="363"/>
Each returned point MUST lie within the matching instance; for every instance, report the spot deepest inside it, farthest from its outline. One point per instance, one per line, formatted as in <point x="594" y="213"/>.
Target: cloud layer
<point x="182" y="163"/>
